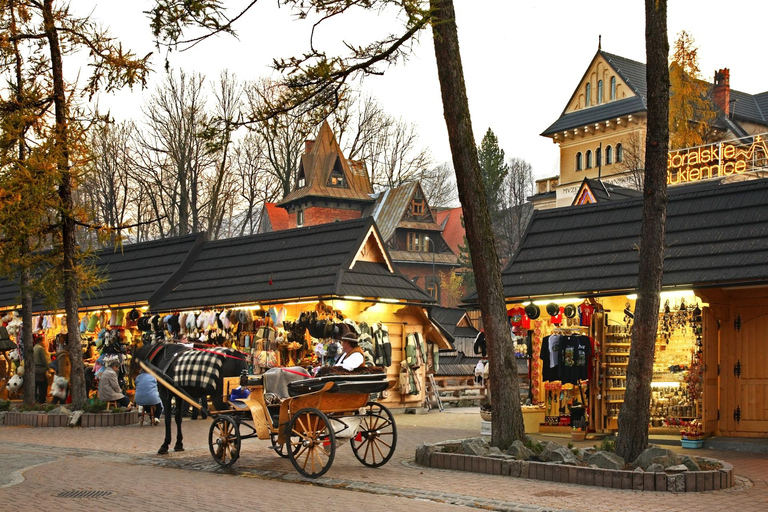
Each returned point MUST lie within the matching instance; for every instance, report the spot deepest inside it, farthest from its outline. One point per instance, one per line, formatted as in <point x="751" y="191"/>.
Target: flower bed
<point x="41" y="419"/>
<point x="674" y="478"/>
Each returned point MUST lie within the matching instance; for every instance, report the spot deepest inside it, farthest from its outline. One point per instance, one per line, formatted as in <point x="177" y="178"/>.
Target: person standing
<point x="42" y="360"/>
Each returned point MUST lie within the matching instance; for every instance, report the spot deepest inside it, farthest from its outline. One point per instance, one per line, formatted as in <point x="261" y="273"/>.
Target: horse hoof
<point x="178" y="448"/>
<point x="203" y="415"/>
<point x="162" y="451"/>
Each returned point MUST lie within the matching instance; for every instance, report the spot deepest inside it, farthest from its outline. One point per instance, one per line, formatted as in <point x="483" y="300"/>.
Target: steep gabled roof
<point x="716" y="234"/>
<point x="598" y="191"/>
<point x="277" y="217"/>
<point x="324" y="159"/>
<point x="329" y="260"/>
<point x="392" y="207"/>
<point x="453" y="232"/>
<point x="134" y="272"/>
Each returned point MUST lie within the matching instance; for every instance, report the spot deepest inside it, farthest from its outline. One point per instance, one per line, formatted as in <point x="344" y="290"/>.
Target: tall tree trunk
<point x="508" y="417"/>
<point x="66" y="196"/>
<point x="635" y="412"/>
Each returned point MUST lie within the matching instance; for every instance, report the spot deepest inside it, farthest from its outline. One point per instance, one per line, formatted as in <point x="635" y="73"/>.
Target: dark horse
<point x="196" y="371"/>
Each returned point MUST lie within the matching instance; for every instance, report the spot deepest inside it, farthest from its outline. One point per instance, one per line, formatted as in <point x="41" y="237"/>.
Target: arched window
<point x="578" y="161"/>
<point x="613" y="87"/>
<point x="619" y="153"/>
<point x="598" y="156"/>
<point x="608" y="155"/>
<point x="589" y="159"/>
<point x="599" y="92"/>
<point x="588" y="95"/>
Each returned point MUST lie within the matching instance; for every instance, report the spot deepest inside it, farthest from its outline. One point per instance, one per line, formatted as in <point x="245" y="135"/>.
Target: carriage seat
<point x="276" y="380"/>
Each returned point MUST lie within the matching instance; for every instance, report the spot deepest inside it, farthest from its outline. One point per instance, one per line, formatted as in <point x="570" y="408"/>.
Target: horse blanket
<point x="199" y="368"/>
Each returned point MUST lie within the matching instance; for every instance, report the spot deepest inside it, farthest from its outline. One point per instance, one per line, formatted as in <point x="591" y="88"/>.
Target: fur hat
<point x="15" y="383"/>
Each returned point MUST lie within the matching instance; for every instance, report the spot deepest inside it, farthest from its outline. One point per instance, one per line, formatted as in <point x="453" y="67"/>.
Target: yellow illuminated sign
<point x="714" y="161"/>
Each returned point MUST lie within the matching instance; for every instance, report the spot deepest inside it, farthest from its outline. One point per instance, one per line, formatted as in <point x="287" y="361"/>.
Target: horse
<point x="196" y="371"/>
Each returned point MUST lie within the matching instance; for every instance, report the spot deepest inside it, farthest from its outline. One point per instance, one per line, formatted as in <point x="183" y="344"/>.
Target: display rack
<point x="614" y="361"/>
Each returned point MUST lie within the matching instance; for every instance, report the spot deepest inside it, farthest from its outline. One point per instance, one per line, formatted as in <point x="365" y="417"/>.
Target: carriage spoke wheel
<point x="376" y="438"/>
<point x="224" y="440"/>
<point x="311" y="442"/>
<point x="280" y="448"/>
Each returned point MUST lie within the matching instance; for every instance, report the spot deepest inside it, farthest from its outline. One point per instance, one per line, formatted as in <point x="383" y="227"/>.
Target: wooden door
<point x="744" y="375"/>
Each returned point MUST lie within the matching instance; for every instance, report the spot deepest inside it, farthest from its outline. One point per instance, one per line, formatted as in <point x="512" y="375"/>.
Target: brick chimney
<point x="308" y="145"/>
<point x="722" y="90"/>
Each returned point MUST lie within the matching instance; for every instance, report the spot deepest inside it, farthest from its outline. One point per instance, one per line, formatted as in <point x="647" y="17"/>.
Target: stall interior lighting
<point x="665" y="384"/>
<point x="352" y="297"/>
<point x="563" y="300"/>
<point x="391" y="301"/>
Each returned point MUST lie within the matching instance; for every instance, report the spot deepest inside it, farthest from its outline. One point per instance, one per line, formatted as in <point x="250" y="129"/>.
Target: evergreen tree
<point x="494" y="170"/>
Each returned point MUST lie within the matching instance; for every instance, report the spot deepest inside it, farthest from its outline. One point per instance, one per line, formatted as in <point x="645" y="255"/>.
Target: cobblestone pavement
<point x="122" y="460"/>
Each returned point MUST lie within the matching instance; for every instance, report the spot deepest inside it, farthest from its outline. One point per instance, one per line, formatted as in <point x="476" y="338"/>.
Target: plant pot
<point x="486" y="415"/>
<point x="692" y="443"/>
<point x="578" y="435"/>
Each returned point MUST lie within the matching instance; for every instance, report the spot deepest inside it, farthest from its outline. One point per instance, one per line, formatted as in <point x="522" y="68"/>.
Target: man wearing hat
<point x="352" y="355"/>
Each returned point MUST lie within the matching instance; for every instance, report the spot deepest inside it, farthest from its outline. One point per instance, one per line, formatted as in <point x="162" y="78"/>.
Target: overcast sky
<point x="522" y="59"/>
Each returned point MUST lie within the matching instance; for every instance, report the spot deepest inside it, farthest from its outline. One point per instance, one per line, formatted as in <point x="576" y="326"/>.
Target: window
<point x="417" y="207"/>
<point x="613" y="87"/>
<point x="336" y="179"/>
<point x="589" y="159"/>
<point x="599" y="92"/>
<point x="417" y="243"/>
<point x="433" y="287"/>
<point x="578" y="161"/>
<point x="302" y="180"/>
<point x="598" y="156"/>
<point x="619" y="153"/>
<point x="299" y="218"/>
<point x="588" y="95"/>
<point x="608" y="155"/>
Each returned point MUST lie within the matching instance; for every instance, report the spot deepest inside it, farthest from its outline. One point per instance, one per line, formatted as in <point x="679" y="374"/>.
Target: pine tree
<point x="494" y="170"/>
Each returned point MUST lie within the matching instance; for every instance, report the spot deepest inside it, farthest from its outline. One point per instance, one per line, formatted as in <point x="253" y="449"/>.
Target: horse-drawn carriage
<point x="309" y="423"/>
<point x="305" y="418"/>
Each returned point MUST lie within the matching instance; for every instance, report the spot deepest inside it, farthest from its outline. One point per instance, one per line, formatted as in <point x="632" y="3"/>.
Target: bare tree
<point x="175" y="119"/>
<point x="516" y="211"/>
<point x="439" y="185"/>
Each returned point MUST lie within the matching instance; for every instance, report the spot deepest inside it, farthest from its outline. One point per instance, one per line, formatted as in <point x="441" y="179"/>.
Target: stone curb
<point x="689" y="481"/>
<point x="40" y="419"/>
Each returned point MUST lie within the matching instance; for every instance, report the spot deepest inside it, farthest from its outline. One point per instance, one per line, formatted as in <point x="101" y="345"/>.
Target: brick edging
<point x="39" y="419"/>
<point x="688" y="481"/>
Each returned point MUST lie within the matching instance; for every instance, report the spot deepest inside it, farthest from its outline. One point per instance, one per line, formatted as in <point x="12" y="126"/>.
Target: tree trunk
<point x="635" y="412"/>
<point x="508" y="417"/>
<point x="66" y="196"/>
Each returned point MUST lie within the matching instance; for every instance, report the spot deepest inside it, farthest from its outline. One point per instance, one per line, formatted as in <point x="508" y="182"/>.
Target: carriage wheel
<point x="224" y="440"/>
<point x="376" y="438"/>
<point x="311" y="443"/>
<point x="280" y="448"/>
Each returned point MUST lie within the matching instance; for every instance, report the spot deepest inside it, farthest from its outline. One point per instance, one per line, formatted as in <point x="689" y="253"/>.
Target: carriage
<point x="305" y="419"/>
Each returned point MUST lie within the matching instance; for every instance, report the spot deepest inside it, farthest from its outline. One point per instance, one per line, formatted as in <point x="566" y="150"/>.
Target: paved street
<point x="41" y="466"/>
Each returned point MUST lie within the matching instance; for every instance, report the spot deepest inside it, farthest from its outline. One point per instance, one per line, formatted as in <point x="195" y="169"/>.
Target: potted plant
<point x="692" y="435"/>
<point x="579" y="429"/>
<point x="485" y="411"/>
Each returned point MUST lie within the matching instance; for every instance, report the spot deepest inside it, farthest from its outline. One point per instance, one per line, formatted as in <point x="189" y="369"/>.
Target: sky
<point x="522" y="59"/>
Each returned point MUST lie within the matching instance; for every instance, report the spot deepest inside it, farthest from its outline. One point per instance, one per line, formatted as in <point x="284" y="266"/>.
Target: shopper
<point x="147" y="394"/>
<point x="42" y="360"/>
<point x="109" y="389"/>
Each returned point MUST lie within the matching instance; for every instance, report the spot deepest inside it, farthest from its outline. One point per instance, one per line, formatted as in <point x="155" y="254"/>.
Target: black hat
<point x="134" y="314"/>
<point x="569" y="311"/>
<point x="532" y="311"/>
<point x="553" y="309"/>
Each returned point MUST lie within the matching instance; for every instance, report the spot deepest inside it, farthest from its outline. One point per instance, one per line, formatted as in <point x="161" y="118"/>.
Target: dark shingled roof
<point x="447" y="320"/>
<point x="747" y="107"/>
<point x="312" y="261"/>
<point x="134" y="272"/>
<point x="456" y="364"/>
<point x="716" y="234"/>
<point x="603" y="191"/>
